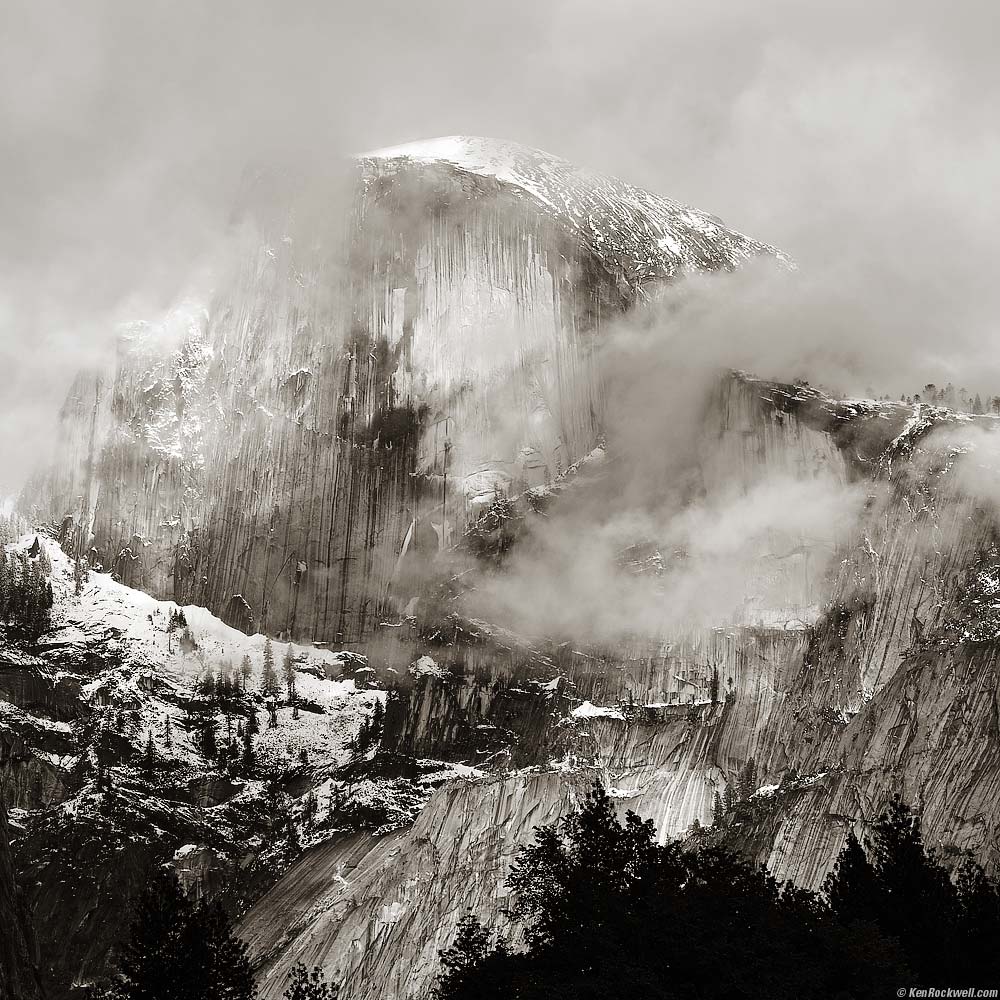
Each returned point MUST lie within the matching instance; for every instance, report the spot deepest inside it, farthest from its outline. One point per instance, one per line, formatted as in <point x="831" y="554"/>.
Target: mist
<point x="860" y="138"/>
<point x="680" y="531"/>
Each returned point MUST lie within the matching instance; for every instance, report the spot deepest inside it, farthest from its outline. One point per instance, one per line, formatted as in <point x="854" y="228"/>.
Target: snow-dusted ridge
<point x="105" y="765"/>
<point x="151" y="667"/>
<point x="505" y="160"/>
<point x="648" y="235"/>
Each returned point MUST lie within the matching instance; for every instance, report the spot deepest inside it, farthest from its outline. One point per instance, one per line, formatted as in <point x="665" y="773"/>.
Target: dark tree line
<point x="610" y="912"/>
<point x="735" y="794"/>
<point x="25" y="590"/>
<point x="181" y="950"/>
<point x="947" y="923"/>
<point x="955" y="399"/>
<point x="230" y="746"/>
<point x="185" y="950"/>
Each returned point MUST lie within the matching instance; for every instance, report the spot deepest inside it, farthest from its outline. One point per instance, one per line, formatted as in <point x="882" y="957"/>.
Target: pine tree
<point x="288" y="672"/>
<point x="309" y="807"/>
<point x="5" y="582"/>
<point x="898" y="885"/>
<point x="850" y="888"/>
<point x="917" y="899"/>
<point x="729" y="798"/>
<point x="181" y="951"/>
<point x="149" y="756"/>
<point x="718" y="810"/>
<point x="246" y="671"/>
<point x="220" y="959"/>
<point x="979" y="925"/>
<point x="306" y="985"/>
<point x="472" y="947"/>
<point x="154" y="963"/>
<point x="206" y="686"/>
<point x="25" y="591"/>
<point x="269" y="681"/>
<point x="224" y="684"/>
<point x="168" y="733"/>
<point x="334" y="803"/>
<point x="208" y="743"/>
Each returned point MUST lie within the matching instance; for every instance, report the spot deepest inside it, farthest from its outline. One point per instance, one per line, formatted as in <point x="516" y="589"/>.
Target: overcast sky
<point x="861" y="137"/>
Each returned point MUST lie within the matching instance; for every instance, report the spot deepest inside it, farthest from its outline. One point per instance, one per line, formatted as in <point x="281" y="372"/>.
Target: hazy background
<point x="860" y="137"/>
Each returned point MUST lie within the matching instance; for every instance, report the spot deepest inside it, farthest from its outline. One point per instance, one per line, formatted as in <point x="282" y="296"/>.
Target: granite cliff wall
<point x="389" y="356"/>
<point x="881" y="678"/>
<point x="338" y="412"/>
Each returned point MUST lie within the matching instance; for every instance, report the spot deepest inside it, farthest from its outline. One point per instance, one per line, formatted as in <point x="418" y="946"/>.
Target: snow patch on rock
<point x="589" y="711"/>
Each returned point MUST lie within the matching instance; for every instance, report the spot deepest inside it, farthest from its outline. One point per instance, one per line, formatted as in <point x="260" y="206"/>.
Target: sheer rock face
<point x="889" y="684"/>
<point x="377" y="910"/>
<point x="375" y="372"/>
<point x="890" y="689"/>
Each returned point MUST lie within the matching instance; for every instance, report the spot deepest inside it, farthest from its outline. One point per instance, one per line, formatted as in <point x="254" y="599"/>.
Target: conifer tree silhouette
<point x="179" y="950"/>
<point x="609" y="911"/>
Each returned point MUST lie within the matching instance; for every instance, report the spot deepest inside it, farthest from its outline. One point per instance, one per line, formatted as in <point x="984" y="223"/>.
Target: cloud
<point x="689" y="526"/>
<point x="860" y="137"/>
<point x="968" y="455"/>
<point x="740" y="556"/>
